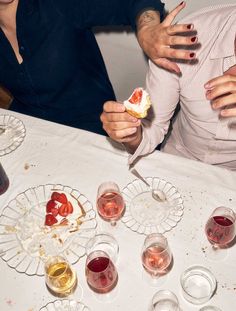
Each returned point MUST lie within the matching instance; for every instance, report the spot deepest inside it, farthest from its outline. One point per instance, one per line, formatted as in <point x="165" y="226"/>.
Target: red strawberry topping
<point x="136" y="96"/>
<point x="50" y="220"/>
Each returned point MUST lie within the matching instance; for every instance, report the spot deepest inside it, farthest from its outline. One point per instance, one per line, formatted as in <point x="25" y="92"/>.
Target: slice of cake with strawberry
<point x="138" y="103"/>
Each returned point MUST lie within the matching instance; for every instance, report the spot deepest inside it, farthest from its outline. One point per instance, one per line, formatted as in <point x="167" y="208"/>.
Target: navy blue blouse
<point x="62" y="77"/>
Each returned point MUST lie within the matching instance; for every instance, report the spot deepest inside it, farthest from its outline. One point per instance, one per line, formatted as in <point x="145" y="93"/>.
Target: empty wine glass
<point x="100" y="272"/>
<point x="110" y="203"/>
<point x="164" y="300"/>
<point x="156" y="256"/>
<point x="60" y="278"/>
<point x="220" y="227"/>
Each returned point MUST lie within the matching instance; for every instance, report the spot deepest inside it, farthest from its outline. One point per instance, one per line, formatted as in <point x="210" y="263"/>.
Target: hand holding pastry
<point x="119" y="125"/>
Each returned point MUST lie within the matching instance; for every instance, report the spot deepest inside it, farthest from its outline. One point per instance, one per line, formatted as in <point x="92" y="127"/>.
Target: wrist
<point x="132" y="145"/>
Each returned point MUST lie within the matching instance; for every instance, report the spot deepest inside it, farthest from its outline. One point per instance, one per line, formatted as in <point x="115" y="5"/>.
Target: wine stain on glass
<point x="220" y="231"/>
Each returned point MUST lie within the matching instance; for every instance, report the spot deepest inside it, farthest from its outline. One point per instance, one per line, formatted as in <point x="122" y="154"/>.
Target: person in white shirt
<point x="205" y="126"/>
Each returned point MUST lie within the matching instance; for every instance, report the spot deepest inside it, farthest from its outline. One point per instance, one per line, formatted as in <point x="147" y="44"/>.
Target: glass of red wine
<point x="156" y="257"/>
<point x="110" y="203"/>
<point x="220" y="227"/>
<point x="101" y="272"/>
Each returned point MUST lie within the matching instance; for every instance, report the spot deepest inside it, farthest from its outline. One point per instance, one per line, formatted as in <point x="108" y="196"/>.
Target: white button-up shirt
<point x="198" y="130"/>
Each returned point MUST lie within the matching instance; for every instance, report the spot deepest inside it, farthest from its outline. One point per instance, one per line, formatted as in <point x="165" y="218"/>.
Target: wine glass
<point x="103" y="242"/>
<point x="156" y="256"/>
<point x="60" y="278"/>
<point x="220" y="227"/>
<point x="110" y="203"/>
<point x="164" y="300"/>
<point x="100" y="272"/>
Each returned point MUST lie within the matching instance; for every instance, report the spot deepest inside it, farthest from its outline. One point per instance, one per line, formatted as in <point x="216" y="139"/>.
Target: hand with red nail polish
<point x="160" y="40"/>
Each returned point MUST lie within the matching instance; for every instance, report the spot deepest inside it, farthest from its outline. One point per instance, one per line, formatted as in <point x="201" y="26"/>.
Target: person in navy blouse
<point x="51" y="63"/>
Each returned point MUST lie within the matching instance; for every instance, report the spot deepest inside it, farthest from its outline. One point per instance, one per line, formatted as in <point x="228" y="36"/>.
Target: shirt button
<point x="22" y="48"/>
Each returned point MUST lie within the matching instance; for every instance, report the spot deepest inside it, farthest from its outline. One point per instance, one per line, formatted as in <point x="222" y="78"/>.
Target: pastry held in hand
<point x="138" y="103"/>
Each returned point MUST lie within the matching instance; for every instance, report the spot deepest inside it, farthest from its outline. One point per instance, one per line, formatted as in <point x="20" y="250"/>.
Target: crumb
<point x="26" y="167"/>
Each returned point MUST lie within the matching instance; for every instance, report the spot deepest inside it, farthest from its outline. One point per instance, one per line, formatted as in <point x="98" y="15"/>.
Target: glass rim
<point x="47" y="265"/>
<point x="89" y="260"/>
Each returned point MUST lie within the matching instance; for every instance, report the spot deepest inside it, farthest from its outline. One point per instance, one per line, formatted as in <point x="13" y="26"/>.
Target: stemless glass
<point x="100" y="272"/>
<point x="110" y="203"/>
<point x="164" y="300"/>
<point x="156" y="255"/>
<point x="220" y="227"/>
<point x="60" y="278"/>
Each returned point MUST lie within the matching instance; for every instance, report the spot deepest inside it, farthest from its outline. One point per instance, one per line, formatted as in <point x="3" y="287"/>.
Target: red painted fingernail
<point x="192" y="55"/>
<point x="193" y="39"/>
<point x="190" y="26"/>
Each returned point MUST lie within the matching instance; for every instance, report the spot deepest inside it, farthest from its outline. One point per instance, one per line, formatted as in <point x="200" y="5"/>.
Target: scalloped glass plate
<point x="25" y="242"/>
<point x="12" y="133"/>
<point x="65" y="305"/>
<point x="145" y="215"/>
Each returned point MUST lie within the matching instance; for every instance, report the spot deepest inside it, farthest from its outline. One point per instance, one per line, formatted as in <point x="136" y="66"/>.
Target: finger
<point x="219" y="80"/>
<point x="180" y="28"/>
<point x="118" y="117"/>
<point x="112" y="106"/>
<point x="181" y="40"/>
<point x="123" y="135"/>
<point x="168" y="52"/>
<point x="171" y="16"/>
<point x="167" y="64"/>
<point x="220" y="90"/>
<point x="224" y="101"/>
<point x="228" y="112"/>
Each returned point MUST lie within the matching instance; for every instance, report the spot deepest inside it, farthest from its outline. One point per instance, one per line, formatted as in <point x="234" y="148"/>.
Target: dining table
<point x="53" y="153"/>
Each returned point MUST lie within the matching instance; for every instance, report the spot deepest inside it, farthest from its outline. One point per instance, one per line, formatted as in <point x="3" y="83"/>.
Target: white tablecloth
<point x="52" y="153"/>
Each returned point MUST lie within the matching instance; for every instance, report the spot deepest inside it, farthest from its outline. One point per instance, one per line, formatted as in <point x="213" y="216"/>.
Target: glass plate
<point x="145" y="215"/>
<point x="25" y="242"/>
<point x="12" y="133"/>
<point x="65" y="305"/>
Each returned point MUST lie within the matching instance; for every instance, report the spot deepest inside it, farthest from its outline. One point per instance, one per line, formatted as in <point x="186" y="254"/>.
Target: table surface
<point x="53" y="153"/>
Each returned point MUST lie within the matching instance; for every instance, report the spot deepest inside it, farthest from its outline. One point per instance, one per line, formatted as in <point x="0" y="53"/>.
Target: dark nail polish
<point x="193" y="39"/>
<point x="181" y="3"/>
<point x="192" y="55"/>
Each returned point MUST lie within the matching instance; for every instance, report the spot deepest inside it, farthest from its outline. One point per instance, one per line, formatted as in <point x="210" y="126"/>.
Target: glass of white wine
<point x="60" y="278"/>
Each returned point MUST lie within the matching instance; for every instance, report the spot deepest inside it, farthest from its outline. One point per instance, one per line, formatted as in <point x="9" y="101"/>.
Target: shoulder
<point x="214" y="14"/>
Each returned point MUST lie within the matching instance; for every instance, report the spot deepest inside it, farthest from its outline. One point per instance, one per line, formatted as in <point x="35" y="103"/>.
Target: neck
<point x="8" y="14"/>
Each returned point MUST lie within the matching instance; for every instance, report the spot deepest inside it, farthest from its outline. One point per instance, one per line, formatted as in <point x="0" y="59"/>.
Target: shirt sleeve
<point x="90" y="13"/>
<point x="164" y="90"/>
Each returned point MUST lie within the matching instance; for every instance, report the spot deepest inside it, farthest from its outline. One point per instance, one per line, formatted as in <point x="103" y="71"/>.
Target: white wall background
<point x="124" y="59"/>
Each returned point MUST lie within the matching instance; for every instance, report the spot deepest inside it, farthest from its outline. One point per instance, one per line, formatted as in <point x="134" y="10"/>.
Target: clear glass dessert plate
<point x="65" y="305"/>
<point x="12" y="133"/>
<point x="25" y="240"/>
<point x="144" y="214"/>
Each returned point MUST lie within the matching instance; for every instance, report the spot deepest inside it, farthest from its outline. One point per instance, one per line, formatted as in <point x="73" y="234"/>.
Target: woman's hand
<point x="221" y="91"/>
<point x="120" y="125"/>
<point x="158" y="40"/>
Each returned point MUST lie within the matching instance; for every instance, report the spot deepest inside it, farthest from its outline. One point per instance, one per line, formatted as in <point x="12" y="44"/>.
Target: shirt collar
<point x="224" y="44"/>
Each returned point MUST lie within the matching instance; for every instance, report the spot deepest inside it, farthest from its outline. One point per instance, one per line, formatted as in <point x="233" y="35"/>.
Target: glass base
<point x="154" y="281"/>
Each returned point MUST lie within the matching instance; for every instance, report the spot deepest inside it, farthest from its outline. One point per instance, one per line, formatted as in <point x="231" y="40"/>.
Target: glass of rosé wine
<point x="220" y="227"/>
<point x="156" y="257"/>
<point x="101" y="272"/>
<point x="110" y="203"/>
